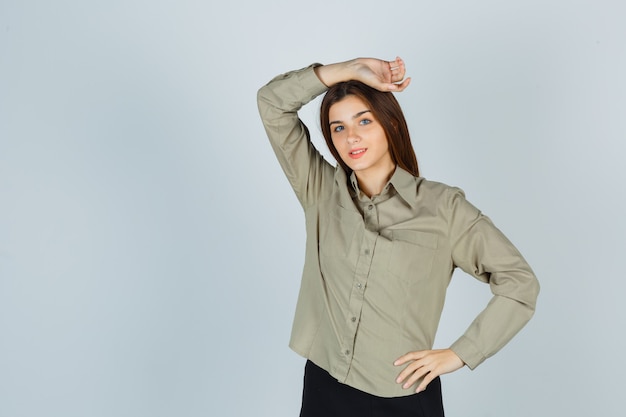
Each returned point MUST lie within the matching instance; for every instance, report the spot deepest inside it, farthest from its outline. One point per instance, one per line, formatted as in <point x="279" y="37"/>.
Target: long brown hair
<point x="385" y="109"/>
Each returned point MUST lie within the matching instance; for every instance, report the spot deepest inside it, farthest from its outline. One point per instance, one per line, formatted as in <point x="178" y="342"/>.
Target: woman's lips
<point x="357" y="153"/>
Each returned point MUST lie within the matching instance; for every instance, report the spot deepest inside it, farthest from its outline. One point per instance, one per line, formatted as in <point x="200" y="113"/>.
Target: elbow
<point x="535" y="289"/>
<point x="522" y="288"/>
<point x="528" y="294"/>
<point x="261" y="96"/>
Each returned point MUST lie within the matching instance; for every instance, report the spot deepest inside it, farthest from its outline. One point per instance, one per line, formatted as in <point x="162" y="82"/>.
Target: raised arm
<point x="280" y="100"/>
<point x="379" y="74"/>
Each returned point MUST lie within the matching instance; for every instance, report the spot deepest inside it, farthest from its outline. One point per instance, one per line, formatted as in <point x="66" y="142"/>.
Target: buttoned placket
<point x="362" y="271"/>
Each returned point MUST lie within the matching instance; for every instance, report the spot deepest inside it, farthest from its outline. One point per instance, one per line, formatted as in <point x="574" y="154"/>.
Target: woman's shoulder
<point x="421" y="190"/>
<point x="437" y="188"/>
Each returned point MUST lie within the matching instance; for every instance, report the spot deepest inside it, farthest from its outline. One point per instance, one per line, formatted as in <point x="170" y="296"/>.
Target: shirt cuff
<point x="468" y="352"/>
<point x="310" y="81"/>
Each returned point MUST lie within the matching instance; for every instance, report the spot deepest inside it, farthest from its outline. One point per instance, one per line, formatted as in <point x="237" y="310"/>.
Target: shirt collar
<point x="345" y="193"/>
<point x="403" y="182"/>
<point x="406" y="185"/>
<point x="354" y="183"/>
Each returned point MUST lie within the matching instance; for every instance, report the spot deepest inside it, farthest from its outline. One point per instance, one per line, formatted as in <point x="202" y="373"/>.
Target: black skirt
<point x="324" y="396"/>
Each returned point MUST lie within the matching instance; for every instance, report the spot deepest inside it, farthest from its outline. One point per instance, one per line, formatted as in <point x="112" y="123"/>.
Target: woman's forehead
<point x="350" y="105"/>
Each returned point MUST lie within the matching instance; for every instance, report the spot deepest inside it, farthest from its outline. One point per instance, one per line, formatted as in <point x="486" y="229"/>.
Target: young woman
<point x="382" y="244"/>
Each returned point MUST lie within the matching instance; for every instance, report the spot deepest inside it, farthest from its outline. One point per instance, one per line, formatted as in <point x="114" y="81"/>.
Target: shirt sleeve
<point x="279" y="102"/>
<point x="480" y="249"/>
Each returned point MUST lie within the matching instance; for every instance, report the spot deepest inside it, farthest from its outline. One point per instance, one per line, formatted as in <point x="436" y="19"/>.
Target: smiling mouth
<point x="357" y="153"/>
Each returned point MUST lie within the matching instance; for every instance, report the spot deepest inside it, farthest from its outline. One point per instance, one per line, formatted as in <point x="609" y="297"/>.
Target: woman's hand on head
<point x="382" y="75"/>
<point x="377" y="73"/>
<point x="428" y="364"/>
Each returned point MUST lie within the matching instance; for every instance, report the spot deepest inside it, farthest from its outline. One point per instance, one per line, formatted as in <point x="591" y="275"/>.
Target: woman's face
<point x="359" y="138"/>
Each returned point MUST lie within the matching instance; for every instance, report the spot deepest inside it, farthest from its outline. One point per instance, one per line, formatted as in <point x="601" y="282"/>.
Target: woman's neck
<point x="372" y="183"/>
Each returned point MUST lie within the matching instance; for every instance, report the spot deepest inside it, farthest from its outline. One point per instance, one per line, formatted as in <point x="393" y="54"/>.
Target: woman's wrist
<point x="376" y="73"/>
<point x="332" y="74"/>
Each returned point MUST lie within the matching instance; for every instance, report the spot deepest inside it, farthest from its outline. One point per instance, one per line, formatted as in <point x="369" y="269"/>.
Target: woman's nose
<point x="353" y="138"/>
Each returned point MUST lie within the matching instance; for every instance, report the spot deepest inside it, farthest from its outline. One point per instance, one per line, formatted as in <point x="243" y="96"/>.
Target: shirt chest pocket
<point x="412" y="254"/>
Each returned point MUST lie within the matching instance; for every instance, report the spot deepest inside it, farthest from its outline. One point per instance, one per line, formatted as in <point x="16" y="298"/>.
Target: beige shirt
<point x="376" y="270"/>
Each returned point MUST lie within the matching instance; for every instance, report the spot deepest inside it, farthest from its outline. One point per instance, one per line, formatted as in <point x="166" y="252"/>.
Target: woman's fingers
<point x="426" y="364"/>
<point x="428" y="378"/>
<point x="380" y="74"/>
<point x="404" y="84"/>
<point x="397" y="66"/>
<point x="415" y="366"/>
<point x="398" y="71"/>
<point x="416" y="371"/>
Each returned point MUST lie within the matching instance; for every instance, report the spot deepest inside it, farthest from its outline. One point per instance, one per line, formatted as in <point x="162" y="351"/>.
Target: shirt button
<point x="371" y="206"/>
<point x="353" y="319"/>
<point x="347" y="352"/>
<point x="367" y="251"/>
<point x="359" y="285"/>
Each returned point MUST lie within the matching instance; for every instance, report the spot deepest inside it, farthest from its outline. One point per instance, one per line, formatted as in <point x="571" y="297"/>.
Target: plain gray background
<point x="150" y="248"/>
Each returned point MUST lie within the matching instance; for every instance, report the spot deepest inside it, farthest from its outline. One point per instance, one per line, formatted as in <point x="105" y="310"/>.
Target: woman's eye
<point x="338" y="129"/>
<point x="366" y="121"/>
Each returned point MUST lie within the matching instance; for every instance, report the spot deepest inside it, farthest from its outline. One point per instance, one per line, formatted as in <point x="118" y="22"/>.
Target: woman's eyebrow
<point x="356" y="116"/>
